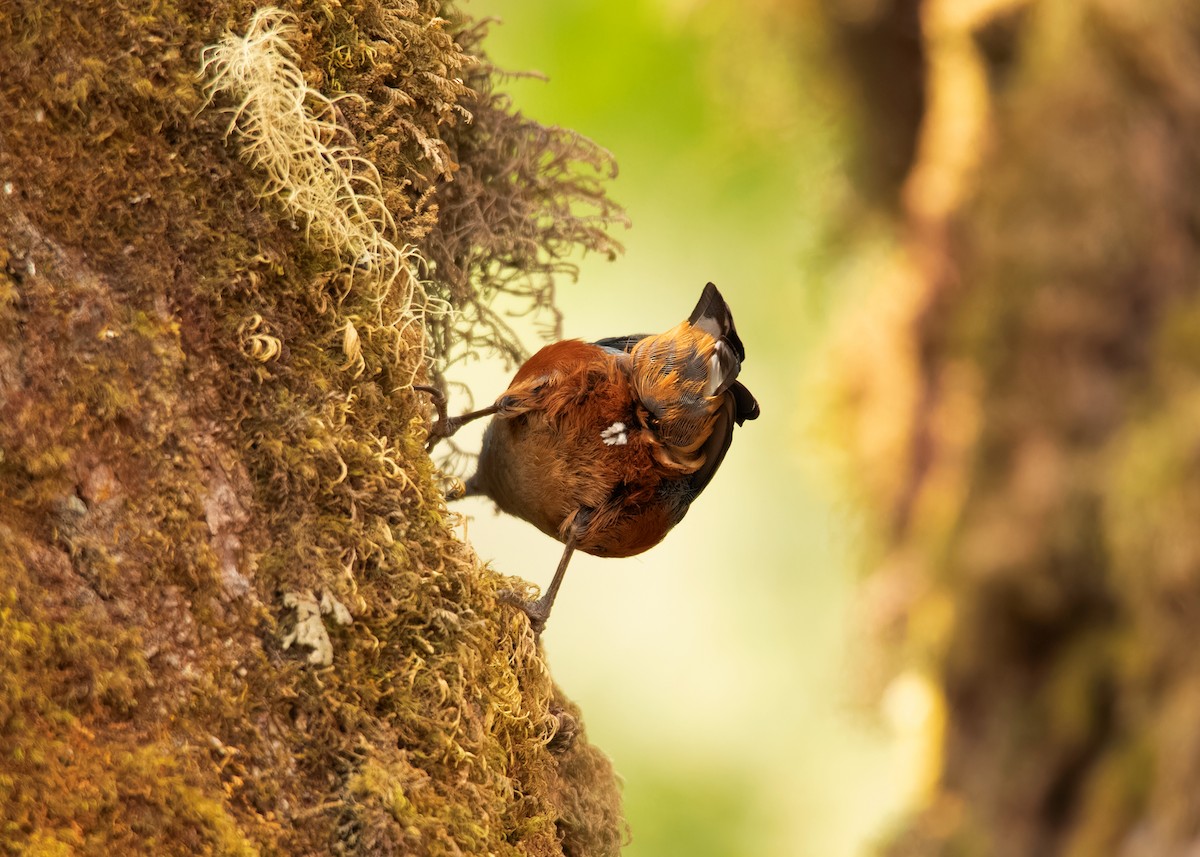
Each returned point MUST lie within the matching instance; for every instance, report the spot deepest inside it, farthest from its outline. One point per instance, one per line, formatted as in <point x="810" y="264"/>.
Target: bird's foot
<point x="456" y="489"/>
<point x="538" y="610"/>
<point x="445" y="425"/>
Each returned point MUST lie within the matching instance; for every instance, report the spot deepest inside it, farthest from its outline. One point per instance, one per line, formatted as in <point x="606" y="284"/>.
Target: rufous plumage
<point x="604" y="445"/>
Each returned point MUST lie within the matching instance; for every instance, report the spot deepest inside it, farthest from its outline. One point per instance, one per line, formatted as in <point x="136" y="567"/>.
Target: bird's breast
<point x="527" y="470"/>
<point x="582" y="450"/>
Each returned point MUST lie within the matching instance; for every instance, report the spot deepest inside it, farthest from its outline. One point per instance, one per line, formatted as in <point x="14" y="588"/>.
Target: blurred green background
<point x="719" y="670"/>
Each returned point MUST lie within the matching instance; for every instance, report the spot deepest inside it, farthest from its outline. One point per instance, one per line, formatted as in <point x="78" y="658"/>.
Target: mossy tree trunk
<point x="208" y="449"/>
<point x="1043" y="562"/>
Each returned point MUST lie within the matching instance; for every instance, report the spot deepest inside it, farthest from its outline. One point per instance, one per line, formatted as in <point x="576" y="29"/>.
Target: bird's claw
<point x="456" y="490"/>
<point x="537" y="610"/>
<point x="445" y="426"/>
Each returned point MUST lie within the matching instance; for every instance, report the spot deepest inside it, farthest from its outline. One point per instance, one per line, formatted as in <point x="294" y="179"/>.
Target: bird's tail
<point x="712" y="316"/>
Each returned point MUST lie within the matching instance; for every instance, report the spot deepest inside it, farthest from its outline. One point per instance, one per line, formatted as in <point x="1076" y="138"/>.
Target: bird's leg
<point x="447" y="426"/>
<point x="538" y="611"/>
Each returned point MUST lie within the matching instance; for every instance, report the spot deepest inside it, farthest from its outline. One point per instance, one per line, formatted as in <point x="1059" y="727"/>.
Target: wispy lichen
<point x="293" y="135"/>
<point x="208" y="414"/>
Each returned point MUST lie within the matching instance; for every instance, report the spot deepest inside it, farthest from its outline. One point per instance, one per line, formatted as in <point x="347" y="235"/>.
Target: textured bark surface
<point x="1042" y="566"/>
<point x="208" y="450"/>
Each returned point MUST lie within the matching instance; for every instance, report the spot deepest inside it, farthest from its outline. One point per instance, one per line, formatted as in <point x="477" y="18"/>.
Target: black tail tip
<point x="712" y="307"/>
<point x="746" y="405"/>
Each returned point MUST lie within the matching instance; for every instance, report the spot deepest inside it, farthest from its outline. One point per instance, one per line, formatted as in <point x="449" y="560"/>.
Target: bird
<point x="605" y="445"/>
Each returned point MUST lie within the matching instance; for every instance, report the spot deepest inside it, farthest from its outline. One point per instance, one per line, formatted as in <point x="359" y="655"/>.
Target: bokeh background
<point x="719" y="670"/>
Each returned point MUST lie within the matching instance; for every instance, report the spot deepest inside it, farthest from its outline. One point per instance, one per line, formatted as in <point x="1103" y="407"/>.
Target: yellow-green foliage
<point x="202" y="408"/>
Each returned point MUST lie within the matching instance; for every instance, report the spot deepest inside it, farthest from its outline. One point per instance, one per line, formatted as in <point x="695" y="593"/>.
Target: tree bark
<point x="234" y="618"/>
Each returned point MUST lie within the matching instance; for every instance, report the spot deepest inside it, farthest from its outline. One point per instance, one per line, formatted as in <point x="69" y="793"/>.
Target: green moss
<point x="166" y="482"/>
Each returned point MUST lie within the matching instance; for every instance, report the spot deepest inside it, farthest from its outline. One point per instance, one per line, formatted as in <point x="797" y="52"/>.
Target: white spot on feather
<point x="717" y="370"/>
<point x="615" y="435"/>
<point x="714" y="373"/>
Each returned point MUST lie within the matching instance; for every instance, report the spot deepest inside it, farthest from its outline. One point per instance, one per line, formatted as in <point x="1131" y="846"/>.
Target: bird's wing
<point x="621" y="344"/>
<point x="712" y="315"/>
<point x="747" y="406"/>
<point x="715" y="447"/>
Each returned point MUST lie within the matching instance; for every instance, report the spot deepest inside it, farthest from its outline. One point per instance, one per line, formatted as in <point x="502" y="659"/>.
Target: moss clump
<point x="204" y="408"/>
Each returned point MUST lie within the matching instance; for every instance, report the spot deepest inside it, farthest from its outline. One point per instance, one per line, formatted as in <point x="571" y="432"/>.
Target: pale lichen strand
<point x="292" y="135"/>
<point x="164" y="327"/>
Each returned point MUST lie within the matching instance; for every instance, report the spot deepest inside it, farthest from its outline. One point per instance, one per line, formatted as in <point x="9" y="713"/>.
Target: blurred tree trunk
<point x="1042" y="496"/>
<point x="234" y="618"/>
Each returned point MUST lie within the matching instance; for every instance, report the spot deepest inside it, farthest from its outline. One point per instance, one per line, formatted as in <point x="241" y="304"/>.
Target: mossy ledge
<point x="203" y="410"/>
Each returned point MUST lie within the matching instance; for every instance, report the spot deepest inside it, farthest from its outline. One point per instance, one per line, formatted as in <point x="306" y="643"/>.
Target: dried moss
<point x="199" y="412"/>
<point x="502" y="248"/>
